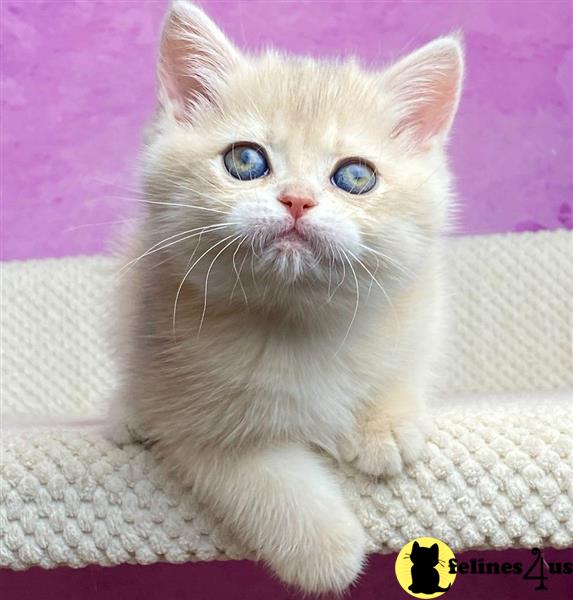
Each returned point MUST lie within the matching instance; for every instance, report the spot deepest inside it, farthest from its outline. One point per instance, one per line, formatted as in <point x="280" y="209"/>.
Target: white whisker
<point x="330" y="266"/>
<point x="155" y="247"/>
<point x="84" y="225"/>
<point x="238" y="273"/>
<point x="188" y="272"/>
<point x="178" y="204"/>
<point x="207" y="280"/>
<point x="341" y="280"/>
<point x="356" y="304"/>
<point x="389" y="260"/>
<point x="253" y="254"/>
<point x="373" y="279"/>
<point x="192" y="206"/>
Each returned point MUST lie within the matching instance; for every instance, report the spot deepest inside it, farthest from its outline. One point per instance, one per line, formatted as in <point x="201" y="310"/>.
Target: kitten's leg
<point x="389" y="432"/>
<point x="284" y="503"/>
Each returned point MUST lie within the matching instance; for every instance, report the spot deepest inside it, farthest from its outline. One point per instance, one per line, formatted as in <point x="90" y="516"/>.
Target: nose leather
<point x="297" y="206"/>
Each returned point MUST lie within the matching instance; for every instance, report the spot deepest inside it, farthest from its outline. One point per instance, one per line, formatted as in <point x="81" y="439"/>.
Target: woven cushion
<point x="496" y="473"/>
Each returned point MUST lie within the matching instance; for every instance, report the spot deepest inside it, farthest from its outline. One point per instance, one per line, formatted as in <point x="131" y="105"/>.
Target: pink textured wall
<point x="78" y="83"/>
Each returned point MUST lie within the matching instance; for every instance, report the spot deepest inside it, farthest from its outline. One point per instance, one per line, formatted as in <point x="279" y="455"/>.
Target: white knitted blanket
<point x="496" y="473"/>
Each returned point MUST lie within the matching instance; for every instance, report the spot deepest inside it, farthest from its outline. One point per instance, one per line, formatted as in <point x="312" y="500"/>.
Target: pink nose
<point x="297" y="205"/>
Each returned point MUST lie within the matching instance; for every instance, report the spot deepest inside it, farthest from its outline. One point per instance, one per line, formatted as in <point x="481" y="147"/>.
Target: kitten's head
<point x="423" y="556"/>
<point x="308" y="170"/>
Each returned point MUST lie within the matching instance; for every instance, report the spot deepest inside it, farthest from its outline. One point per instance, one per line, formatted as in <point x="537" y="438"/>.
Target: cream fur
<point x="276" y="348"/>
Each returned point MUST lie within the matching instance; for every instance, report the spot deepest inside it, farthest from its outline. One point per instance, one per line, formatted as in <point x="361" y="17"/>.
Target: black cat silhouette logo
<point x="422" y="568"/>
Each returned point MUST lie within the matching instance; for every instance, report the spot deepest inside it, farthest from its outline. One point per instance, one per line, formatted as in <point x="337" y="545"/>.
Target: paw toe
<point x="379" y="456"/>
<point x="385" y="450"/>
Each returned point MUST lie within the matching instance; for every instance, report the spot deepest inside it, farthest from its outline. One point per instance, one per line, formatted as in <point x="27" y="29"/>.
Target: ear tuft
<point x="424" y="89"/>
<point x="195" y="58"/>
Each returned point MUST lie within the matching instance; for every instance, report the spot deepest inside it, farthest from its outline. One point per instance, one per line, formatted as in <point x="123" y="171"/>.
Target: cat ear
<point x="415" y="546"/>
<point x="195" y="58"/>
<point x="435" y="548"/>
<point x="424" y="90"/>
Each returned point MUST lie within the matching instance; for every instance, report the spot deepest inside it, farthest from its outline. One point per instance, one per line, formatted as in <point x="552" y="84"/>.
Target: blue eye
<point x="246" y="162"/>
<point x="354" y="177"/>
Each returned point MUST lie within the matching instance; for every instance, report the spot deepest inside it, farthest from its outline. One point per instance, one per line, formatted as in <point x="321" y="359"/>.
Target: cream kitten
<point x="283" y="297"/>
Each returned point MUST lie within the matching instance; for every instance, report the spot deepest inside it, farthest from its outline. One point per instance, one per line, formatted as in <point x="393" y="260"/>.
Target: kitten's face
<point x="307" y="170"/>
<point x="423" y="556"/>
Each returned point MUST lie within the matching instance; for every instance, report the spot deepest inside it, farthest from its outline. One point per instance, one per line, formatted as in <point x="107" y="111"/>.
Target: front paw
<point x="329" y="559"/>
<point x="383" y="445"/>
<point x="123" y="431"/>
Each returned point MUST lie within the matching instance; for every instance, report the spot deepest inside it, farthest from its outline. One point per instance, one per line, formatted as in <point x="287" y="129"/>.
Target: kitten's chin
<point x="291" y="243"/>
<point x="290" y="258"/>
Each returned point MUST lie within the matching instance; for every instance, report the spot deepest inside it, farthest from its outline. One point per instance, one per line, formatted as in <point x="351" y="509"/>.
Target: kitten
<point x="283" y="292"/>
<point x="425" y="576"/>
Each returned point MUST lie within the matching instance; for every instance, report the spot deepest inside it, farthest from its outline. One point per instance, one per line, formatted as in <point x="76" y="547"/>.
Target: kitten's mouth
<point x="291" y="235"/>
<point x="291" y="244"/>
<point x="292" y="253"/>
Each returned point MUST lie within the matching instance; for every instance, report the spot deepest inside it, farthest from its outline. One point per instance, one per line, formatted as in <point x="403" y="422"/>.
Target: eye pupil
<point x="354" y="177"/>
<point x="246" y="162"/>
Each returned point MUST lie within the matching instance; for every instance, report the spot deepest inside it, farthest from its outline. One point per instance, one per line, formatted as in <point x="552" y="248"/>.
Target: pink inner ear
<point x="432" y="111"/>
<point x="175" y="76"/>
<point x="425" y="94"/>
<point x="194" y="57"/>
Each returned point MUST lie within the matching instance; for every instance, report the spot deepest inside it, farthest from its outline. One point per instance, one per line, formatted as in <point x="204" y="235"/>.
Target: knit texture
<point x="494" y="475"/>
<point x="489" y="478"/>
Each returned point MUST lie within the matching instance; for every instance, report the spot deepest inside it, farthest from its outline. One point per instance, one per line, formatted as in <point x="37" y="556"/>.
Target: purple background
<point x="78" y="83"/>
<point x="242" y="580"/>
